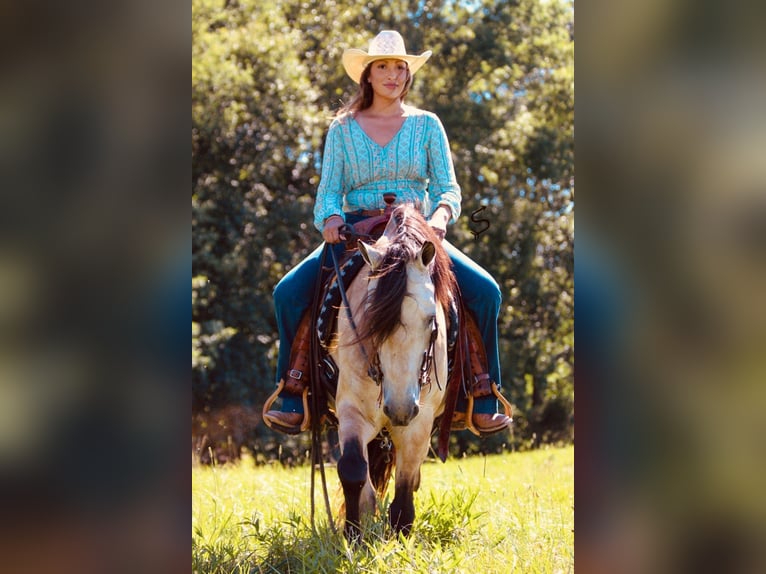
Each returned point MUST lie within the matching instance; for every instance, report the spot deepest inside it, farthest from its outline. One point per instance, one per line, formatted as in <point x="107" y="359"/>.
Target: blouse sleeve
<point x="443" y="188"/>
<point x="330" y="192"/>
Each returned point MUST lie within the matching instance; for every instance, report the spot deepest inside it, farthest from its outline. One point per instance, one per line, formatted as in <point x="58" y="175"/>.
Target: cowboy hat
<point x="388" y="45"/>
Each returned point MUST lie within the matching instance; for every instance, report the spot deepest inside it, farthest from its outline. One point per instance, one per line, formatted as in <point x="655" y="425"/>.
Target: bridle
<point x="374" y="371"/>
<point x="428" y="358"/>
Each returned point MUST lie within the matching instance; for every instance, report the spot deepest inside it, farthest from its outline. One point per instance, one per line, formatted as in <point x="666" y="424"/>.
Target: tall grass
<point x="478" y="515"/>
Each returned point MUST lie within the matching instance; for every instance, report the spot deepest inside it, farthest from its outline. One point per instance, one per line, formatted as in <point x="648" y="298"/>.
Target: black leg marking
<point x="401" y="513"/>
<point x="352" y="471"/>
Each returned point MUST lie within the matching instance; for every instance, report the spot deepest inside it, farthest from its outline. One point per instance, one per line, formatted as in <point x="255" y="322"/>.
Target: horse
<point x="391" y="354"/>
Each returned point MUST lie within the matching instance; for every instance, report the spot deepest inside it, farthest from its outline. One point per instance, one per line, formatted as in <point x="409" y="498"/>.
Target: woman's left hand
<point x="440" y="233"/>
<point x="439" y="220"/>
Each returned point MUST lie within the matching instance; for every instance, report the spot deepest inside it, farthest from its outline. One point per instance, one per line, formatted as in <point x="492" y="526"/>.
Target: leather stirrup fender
<point x="481" y="385"/>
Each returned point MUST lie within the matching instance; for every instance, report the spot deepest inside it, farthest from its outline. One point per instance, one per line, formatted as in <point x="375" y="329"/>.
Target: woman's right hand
<point x="331" y="232"/>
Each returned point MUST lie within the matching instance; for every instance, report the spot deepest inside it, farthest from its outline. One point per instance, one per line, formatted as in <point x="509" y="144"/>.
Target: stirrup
<point x="281" y="428"/>
<point x="469" y="411"/>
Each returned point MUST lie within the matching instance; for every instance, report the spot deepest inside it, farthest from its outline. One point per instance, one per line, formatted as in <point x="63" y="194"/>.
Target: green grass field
<point x="480" y="515"/>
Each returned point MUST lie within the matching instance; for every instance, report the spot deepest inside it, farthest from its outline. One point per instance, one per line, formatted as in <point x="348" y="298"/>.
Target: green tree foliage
<point x="266" y="79"/>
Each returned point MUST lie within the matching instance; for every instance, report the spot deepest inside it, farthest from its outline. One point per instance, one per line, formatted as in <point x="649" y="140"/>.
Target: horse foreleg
<point x="353" y="471"/>
<point x="411" y="444"/>
<point x="401" y="513"/>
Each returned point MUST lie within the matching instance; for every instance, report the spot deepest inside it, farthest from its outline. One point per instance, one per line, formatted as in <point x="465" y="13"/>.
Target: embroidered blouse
<point x="416" y="165"/>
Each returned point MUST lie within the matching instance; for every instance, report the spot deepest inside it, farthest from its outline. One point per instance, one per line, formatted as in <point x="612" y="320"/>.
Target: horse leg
<point x="401" y="513"/>
<point x="411" y="444"/>
<point x="353" y="471"/>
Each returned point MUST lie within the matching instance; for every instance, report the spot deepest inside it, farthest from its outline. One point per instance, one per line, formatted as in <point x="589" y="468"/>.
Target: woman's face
<point x="388" y="78"/>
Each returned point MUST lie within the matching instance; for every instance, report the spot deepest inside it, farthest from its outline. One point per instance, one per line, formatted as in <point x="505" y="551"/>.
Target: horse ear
<point x="372" y="256"/>
<point x="427" y="253"/>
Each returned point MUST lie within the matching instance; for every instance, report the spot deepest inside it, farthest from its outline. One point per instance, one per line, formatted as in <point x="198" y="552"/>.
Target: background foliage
<point x="266" y="80"/>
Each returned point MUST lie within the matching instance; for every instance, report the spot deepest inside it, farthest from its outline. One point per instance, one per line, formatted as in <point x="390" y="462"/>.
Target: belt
<point x="370" y="212"/>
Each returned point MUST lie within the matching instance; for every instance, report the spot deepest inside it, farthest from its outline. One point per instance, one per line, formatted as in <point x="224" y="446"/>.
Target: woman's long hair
<point x="363" y="98"/>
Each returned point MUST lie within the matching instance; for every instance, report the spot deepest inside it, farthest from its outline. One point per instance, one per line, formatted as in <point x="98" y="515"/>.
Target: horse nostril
<point x="386" y="411"/>
<point x="415" y="411"/>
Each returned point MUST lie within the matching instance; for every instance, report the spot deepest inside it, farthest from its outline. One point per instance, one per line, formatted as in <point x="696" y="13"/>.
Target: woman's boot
<point x="481" y="416"/>
<point x="293" y="417"/>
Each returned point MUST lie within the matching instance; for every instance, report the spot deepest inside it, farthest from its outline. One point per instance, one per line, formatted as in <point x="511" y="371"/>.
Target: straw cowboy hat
<point x="386" y="45"/>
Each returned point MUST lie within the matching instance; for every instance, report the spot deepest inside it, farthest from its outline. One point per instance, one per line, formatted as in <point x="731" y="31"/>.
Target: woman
<point x="376" y="145"/>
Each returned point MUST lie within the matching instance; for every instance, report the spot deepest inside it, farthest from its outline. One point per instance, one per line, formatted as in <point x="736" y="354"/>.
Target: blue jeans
<point x="294" y="292"/>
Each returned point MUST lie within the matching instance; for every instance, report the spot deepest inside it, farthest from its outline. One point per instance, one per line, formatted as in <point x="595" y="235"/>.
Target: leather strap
<point x="482" y="386"/>
<point x="480" y="381"/>
<point x="454" y="384"/>
<point x="297" y="376"/>
<point x="369" y="212"/>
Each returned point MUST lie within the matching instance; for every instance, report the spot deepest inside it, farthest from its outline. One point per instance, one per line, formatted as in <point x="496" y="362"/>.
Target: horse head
<point x="404" y="310"/>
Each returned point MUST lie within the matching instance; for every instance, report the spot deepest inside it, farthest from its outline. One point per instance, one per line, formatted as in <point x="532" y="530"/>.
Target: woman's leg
<point x="482" y="296"/>
<point x="292" y="297"/>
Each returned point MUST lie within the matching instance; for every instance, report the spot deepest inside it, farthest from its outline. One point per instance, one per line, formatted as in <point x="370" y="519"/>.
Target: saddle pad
<point x="332" y="300"/>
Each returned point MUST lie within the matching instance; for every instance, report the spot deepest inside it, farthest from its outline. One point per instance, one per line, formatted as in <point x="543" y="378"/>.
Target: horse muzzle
<point x="401" y="414"/>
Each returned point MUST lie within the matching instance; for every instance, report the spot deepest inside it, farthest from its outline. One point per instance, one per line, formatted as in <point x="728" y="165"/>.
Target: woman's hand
<point x="440" y="233"/>
<point x="331" y="232"/>
<point x="439" y="220"/>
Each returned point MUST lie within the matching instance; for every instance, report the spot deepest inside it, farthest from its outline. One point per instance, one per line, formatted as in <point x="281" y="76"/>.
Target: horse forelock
<point x="414" y="226"/>
<point x="384" y="305"/>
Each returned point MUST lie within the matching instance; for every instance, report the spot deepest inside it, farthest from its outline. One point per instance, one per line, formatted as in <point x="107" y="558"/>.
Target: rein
<point x="317" y="458"/>
<point x="373" y="370"/>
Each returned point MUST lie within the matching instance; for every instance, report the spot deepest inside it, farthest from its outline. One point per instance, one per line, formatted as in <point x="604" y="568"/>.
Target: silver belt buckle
<point x="295" y="374"/>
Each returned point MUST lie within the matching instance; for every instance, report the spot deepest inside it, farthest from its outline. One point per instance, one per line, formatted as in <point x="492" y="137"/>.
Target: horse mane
<point x="384" y="304"/>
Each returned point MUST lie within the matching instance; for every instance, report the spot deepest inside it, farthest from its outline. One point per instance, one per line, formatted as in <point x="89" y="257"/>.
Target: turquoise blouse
<point x="416" y="165"/>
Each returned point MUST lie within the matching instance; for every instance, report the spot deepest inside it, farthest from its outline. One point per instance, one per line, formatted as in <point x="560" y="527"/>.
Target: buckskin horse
<point x="391" y="354"/>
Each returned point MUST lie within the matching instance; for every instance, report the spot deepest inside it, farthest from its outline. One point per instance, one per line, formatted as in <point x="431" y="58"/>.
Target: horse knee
<point x="352" y="471"/>
<point x="352" y="467"/>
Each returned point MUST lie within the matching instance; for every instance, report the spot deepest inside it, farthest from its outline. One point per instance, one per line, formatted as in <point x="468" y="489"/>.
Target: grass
<point x="479" y="515"/>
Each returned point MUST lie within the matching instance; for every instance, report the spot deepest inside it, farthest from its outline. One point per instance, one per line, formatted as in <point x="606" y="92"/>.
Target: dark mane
<point x="384" y="309"/>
